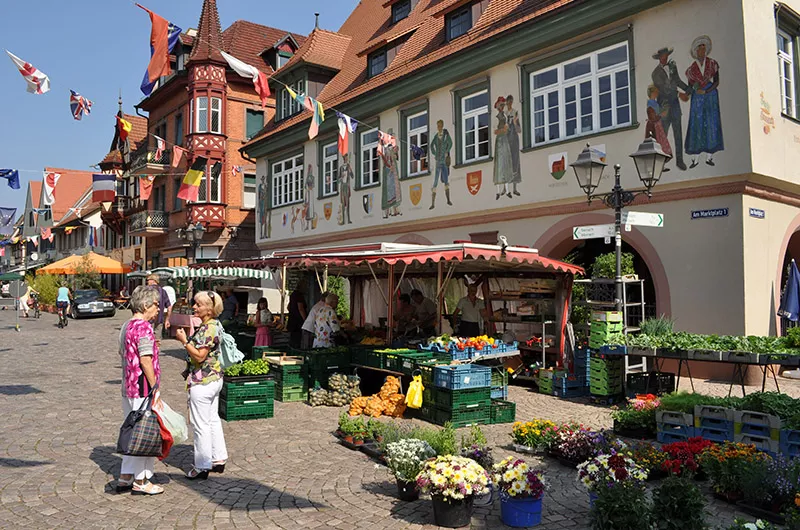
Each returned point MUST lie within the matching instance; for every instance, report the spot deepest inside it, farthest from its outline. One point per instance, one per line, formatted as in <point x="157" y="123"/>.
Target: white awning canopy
<point x="222" y="273"/>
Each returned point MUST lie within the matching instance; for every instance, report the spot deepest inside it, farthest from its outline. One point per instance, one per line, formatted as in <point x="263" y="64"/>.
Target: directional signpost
<point x="628" y="218"/>
<point x="593" y="232"/>
<point x="643" y="219"/>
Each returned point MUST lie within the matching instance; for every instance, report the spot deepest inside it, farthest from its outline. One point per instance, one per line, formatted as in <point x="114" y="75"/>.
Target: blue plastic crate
<point x="567" y="383"/>
<point x="500" y="392"/>
<point x="462" y="376"/>
<point x="790" y="442"/>
<point x="502" y="347"/>
<point x="685" y="431"/>
<point x="567" y="393"/>
<point x="715" y="435"/>
<point x="614" y="349"/>
<point x="713" y="423"/>
<point x="460" y="355"/>
<point x="668" y="437"/>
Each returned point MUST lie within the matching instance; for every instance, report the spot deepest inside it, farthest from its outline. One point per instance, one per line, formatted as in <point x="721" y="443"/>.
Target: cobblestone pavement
<point x="60" y="413"/>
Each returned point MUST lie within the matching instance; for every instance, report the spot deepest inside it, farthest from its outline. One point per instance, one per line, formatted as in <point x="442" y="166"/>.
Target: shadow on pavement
<point x="114" y="382"/>
<point x="16" y="462"/>
<point x="418" y="512"/>
<point x="18" y="390"/>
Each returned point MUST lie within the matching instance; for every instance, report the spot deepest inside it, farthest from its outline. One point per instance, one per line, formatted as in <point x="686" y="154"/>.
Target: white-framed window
<point x="208" y="120"/>
<point x="475" y="126"/>
<point x="786" y="66"/>
<point x="282" y="59"/>
<point x="370" y="162"/>
<point x="330" y="169"/>
<point x="417" y="127"/>
<point x="215" y="180"/>
<point x="287" y="181"/>
<point x="581" y="96"/>
<point x="249" y="192"/>
<point x="288" y="106"/>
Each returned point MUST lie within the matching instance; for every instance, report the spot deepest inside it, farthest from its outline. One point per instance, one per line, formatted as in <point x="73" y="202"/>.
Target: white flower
<point x="750" y="526"/>
<point x="760" y="523"/>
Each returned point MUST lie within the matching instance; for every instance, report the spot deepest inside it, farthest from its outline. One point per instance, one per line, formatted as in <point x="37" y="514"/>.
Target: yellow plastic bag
<point x="414" y="395"/>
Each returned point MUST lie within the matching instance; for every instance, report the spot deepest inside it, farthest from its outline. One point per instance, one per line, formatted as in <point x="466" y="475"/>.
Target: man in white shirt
<point x="471" y="309"/>
<point x="309" y="325"/>
<point x="170" y="293"/>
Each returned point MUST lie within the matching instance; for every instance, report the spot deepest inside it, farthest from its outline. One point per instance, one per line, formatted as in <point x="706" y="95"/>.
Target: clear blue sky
<point x="97" y="47"/>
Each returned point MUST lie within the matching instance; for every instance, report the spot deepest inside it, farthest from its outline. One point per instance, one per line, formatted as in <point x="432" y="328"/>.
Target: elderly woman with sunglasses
<point x="204" y="381"/>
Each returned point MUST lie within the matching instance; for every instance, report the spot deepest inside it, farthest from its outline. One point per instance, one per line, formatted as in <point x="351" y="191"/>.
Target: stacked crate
<point x="606" y="328"/>
<point x="462" y="395"/>
<point x="713" y="423"/>
<point x="546" y="381"/>
<point x="790" y="442"/>
<point x="606" y="375"/>
<point x="757" y="428"/>
<point x="658" y="383"/>
<point x="322" y="365"/>
<point x="502" y="411"/>
<point x="290" y="378"/>
<point x="674" y="426"/>
<point x="247" y="398"/>
<point x="570" y="385"/>
<point x="499" y="383"/>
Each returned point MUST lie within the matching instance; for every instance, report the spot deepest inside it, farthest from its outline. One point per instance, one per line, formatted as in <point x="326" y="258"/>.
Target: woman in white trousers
<point x="204" y="381"/>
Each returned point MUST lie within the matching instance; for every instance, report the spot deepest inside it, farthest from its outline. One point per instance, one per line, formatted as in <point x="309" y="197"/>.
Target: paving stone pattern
<point x="60" y="412"/>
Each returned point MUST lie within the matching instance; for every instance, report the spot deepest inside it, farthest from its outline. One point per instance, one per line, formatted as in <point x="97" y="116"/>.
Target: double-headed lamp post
<point x="193" y="234"/>
<point x="649" y="160"/>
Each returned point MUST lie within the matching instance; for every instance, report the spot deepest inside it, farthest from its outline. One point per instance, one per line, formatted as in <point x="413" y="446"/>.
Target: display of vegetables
<point x="389" y="401"/>
<point x="689" y="341"/>
<point x="447" y="342"/>
<point x="249" y="367"/>
<point x="372" y="341"/>
<point x="343" y="388"/>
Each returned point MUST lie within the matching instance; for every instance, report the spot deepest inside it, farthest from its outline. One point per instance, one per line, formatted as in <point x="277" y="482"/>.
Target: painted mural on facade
<point x="391" y="193"/>
<point x="507" y="172"/>
<point x="309" y="216"/>
<point x="264" y="213"/>
<point x="346" y="179"/>
<point x="700" y="90"/>
<point x="440" y="147"/>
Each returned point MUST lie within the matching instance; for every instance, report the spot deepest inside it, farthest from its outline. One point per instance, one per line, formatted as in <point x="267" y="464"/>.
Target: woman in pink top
<point x="140" y="373"/>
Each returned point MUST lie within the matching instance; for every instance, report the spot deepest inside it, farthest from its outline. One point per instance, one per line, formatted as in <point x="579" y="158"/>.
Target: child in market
<point x="263" y="322"/>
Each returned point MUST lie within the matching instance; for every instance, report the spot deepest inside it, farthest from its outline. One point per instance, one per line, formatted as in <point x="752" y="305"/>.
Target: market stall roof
<point x="359" y="259"/>
<point x="11" y="276"/>
<point x="213" y="272"/>
<point x="102" y="264"/>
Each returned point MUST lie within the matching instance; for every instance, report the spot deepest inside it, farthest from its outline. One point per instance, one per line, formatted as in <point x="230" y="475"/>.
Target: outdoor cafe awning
<point x="70" y="265"/>
<point x="213" y="272"/>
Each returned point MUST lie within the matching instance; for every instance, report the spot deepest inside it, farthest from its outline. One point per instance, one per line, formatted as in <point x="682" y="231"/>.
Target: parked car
<point x="90" y="303"/>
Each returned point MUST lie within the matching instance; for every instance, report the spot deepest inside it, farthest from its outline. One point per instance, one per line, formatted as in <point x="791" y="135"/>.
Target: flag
<point x="38" y="82"/>
<point x="124" y="127"/>
<point x="7" y="221"/>
<point x="235" y="170"/>
<point x="291" y="92"/>
<point x="68" y="230"/>
<point x="250" y="72"/>
<point x="50" y="182"/>
<point x="160" y="146"/>
<point x="91" y="236"/>
<point x="417" y="152"/>
<point x="146" y="186"/>
<point x="47" y="233"/>
<point x="13" y="177"/>
<point x="2" y="251"/>
<point x="178" y="153"/>
<point x="78" y="105"/>
<point x="385" y="139"/>
<point x="103" y="187"/>
<point x="161" y="32"/>
<point x="316" y="120"/>
<point x="34" y="240"/>
<point x="347" y="126"/>
<point x="190" y="187"/>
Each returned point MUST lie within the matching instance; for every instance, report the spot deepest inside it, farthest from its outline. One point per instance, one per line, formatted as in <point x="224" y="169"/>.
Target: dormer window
<point x="376" y="63"/>
<point x="400" y="10"/>
<point x="459" y="21"/>
<point x="281" y="59"/>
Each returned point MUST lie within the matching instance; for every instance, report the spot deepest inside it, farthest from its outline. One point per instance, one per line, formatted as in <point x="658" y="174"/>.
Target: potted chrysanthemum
<point x="453" y="482"/>
<point x="404" y="459"/>
<point x="605" y="470"/>
<point x="521" y="490"/>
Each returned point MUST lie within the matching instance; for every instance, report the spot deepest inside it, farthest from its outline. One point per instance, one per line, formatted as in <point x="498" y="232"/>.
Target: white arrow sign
<point x="593" y="232"/>
<point x="642" y="219"/>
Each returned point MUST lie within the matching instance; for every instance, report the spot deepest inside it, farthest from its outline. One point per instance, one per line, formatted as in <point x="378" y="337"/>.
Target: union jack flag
<point x="235" y="170"/>
<point x="79" y="104"/>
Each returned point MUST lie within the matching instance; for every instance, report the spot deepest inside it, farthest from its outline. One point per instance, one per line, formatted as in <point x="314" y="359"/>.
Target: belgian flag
<point x="190" y="187"/>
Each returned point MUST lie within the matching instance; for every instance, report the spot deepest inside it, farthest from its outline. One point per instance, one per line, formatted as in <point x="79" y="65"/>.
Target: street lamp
<point x="649" y="160"/>
<point x="193" y="234"/>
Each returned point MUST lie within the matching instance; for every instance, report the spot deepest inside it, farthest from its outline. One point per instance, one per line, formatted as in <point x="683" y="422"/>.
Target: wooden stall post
<point x="439" y="297"/>
<point x="390" y="302"/>
<point x="283" y="295"/>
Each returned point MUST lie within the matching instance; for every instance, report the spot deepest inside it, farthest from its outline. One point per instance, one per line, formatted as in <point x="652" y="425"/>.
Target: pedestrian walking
<point x="140" y="374"/>
<point x="204" y="381"/>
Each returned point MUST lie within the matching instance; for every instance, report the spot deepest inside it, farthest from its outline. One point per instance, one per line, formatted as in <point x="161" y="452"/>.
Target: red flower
<point x="621" y="473"/>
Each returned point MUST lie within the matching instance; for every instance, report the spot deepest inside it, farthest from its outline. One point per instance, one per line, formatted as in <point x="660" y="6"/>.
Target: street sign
<point x="593" y="232"/>
<point x="643" y="219"/>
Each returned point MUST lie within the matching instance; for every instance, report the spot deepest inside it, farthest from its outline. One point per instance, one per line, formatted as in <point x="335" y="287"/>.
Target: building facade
<point x="490" y="102"/>
<point x="210" y="111"/>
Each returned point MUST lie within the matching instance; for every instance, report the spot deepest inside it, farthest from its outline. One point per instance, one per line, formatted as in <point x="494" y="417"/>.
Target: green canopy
<point x="11" y="276"/>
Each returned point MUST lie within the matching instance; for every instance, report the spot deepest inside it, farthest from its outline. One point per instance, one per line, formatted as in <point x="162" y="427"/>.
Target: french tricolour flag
<point x="103" y="187"/>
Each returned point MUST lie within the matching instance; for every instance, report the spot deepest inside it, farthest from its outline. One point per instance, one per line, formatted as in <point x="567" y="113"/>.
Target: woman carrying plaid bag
<point x="140" y="373"/>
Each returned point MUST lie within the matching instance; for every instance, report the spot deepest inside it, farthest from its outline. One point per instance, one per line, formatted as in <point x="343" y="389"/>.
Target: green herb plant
<point x="622" y="506"/>
<point x="678" y="504"/>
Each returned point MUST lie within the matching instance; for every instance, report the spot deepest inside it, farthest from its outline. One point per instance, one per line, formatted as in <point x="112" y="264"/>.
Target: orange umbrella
<point x="69" y="265"/>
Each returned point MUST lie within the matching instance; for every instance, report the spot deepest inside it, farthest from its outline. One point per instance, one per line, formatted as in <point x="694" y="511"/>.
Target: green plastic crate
<point x="499" y="377"/>
<point x="479" y="416"/>
<point x="502" y="411"/>
<point x="408" y="362"/>
<point x="327" y="360"/>
<point x="235" y="393"/>
<point x="249" y="410"/>
<point x="545" y="386"/>
<point x="375" y="360"/>
<point x="292" y="393"/>
<point x="605" y="327"/>
<point x="429" y="395"/>
<point x="460" y="400"/>
<point x="600" y="390"/>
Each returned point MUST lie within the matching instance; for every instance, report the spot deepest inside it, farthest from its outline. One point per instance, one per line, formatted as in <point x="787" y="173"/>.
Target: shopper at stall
<point x="204" y="381"/>
<point x="326" y="323"/>
<point x="141" y="373"/>
<point x="471" y="309"/>
<point x="424" y="312"/>
<point x="404" y="316"/>
<point x="298" y="312"/>
<point x="161" y="320"/>
<point x="263" y="323"/>
<point x="309" y="329"/>
<point x="230" y="307"/>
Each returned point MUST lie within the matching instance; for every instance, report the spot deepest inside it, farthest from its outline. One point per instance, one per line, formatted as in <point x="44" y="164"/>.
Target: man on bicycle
<point x="63" y="300"/>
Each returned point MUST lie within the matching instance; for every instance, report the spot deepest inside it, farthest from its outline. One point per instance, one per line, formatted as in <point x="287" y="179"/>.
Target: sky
<point x="97" y="48"/>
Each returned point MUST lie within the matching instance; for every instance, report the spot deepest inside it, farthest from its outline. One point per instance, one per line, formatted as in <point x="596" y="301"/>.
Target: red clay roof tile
<point x="322" y="48"/>
<point x="247" y="40"/>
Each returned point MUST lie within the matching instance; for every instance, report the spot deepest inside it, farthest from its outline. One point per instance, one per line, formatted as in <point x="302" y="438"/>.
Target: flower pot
<point x="567" y="462"/>
<point x="520" y="513"/>
<point x="729" y="497"/>
<point x="407" y="491"/>
<point x="592" y="498"/>
<point x="348" y="438"/>
<point x="379" y="439"/>
<point x="358" y="442"/>
<point x="762" y="512"/>
<point x="451" y="513"/>
<point x="638" y="433"/>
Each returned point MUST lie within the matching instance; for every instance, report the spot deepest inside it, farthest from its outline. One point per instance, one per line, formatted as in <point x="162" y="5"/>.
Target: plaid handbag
<point x="140" y="434"/>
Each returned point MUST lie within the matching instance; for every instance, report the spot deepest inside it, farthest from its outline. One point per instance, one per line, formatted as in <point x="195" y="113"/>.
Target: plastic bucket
<point x="452" y="513"/>
<point x="407" y="491"/>
<point x="592" y="498"/>
<point x="521" y="513"/>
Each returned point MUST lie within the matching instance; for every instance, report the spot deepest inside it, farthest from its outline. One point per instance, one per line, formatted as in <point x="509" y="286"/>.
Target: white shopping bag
<point x="174" y="422"/>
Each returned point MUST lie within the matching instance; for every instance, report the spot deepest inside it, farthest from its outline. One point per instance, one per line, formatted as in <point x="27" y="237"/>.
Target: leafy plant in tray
<point x="678" y="504"/>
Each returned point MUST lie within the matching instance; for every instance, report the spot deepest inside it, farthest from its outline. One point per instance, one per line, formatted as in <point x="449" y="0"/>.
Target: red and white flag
<point x="146" y="186"/>
<point x="235" y="170"/>
<point x="160" y="146"/>
<point x="38" y="82"/>
<point x="35" y="241"/>
<point x="250" y="72"/>
<point x="178" y="153"/>
<point x="47" y="234"/>
<point x="385" y="140"/>
<point x="347" y="126"/>
<point x="50" y="182"/>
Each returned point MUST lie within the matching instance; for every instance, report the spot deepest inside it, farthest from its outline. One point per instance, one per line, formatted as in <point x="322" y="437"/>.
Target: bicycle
<point x="62" y="315"/>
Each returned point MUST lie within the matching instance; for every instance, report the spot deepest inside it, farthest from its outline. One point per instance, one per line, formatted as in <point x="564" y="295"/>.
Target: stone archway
<point x="790" y="245"/>
<point x="557" y="242"/>
<point x="413" y="239"/>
